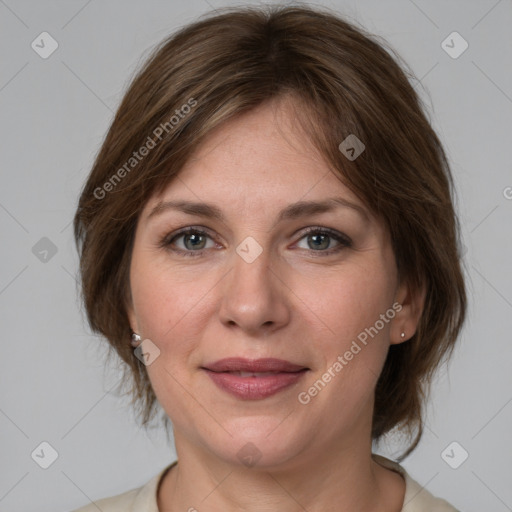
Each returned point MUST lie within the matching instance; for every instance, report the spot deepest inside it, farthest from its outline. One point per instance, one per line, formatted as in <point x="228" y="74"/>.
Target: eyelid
<point x="328" y="231"/>
<point x="168" y="238"/>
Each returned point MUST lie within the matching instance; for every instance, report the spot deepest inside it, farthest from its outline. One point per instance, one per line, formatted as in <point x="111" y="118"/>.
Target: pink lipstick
<point x="254" y="379"/>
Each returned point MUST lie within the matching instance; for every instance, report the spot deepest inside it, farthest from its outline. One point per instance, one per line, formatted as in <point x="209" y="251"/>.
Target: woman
<point x="270" y="222"/>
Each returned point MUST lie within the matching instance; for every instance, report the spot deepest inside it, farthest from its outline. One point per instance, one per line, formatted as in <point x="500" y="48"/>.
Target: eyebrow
<point x="292" y="211"/>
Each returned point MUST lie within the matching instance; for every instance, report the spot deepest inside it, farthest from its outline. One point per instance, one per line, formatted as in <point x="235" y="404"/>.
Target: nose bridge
<point x="251" y="265"/>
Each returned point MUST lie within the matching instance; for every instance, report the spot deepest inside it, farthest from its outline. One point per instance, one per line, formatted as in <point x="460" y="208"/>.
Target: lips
<point x="267" y="365"/>
<point x="254" y="379"/>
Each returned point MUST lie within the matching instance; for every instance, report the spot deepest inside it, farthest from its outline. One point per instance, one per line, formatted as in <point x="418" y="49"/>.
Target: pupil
<point x="324" y="246"/>
<point x="194" y="238"/>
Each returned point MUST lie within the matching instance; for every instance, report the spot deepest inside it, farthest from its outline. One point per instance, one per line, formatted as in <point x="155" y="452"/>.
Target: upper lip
<point x="233" y="364"/>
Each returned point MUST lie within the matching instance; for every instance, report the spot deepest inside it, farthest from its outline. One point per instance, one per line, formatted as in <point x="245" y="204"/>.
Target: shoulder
<point x="120" y="503"/>
<point x="141" y="499"/>
<point x="417" y="498"/>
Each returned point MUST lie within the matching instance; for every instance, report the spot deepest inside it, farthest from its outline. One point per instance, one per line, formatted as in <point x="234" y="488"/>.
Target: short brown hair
<point x="343" y="81"/>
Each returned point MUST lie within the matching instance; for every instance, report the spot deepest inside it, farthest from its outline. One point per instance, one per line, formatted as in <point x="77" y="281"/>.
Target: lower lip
<point x="254" y="388"/>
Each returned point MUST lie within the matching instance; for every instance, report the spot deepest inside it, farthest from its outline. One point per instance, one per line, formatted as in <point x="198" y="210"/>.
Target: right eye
<point x="193" y="240"/>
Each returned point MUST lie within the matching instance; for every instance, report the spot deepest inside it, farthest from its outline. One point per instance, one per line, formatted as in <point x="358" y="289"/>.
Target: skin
<point x="292" y="302"/>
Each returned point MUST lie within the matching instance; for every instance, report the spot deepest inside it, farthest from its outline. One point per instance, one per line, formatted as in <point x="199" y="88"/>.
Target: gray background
<point x="55" y="113"/>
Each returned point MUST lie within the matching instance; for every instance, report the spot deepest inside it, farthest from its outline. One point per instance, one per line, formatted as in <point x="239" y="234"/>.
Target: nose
<point x="255" y="297"/>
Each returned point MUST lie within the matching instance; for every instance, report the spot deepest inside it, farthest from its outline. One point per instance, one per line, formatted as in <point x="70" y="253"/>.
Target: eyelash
<point x="344" y="241"/>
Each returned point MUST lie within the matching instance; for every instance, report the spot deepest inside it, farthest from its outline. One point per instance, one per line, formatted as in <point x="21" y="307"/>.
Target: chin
<point x="262" y="442"/>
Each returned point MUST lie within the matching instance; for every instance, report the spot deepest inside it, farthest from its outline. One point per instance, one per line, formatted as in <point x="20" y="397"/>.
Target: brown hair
<point x="343" y="81"/>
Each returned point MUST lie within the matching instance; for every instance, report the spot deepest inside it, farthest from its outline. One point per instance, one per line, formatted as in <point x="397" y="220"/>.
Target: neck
<point x="340" y="480"/>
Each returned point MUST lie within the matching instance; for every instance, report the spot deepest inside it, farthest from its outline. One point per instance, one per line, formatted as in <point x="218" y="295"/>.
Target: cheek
<point x="351" y="340"/>
<point x="169" y="309"/>
<point x="165" y="300"/>
<point x="345" y="302"/>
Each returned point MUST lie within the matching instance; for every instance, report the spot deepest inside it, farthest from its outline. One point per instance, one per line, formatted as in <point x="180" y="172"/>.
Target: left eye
<point x="319" y="240"/>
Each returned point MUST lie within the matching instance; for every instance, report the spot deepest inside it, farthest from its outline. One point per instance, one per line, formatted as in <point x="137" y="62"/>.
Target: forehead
<point x="260" y="155"/>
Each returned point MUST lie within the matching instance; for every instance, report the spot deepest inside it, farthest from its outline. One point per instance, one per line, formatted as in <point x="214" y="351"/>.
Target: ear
<point x="406" y="320"/>
<point x="130" y="313"/>
<point x="132" y="319"/>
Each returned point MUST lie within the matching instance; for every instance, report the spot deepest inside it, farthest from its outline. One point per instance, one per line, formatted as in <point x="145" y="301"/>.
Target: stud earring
<point x="136" y="339"/>
<point x="402" y="335"/>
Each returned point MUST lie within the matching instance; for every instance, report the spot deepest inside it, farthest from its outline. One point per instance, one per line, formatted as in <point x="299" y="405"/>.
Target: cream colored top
<point x="144" y="499"/>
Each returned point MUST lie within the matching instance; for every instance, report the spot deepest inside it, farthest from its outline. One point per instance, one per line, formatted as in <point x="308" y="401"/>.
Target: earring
<point x="402" y="335"/>
<point x="136" y="339"/>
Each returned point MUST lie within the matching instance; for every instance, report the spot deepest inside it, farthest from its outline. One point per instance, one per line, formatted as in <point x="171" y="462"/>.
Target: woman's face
<point x="256" y="285"/>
